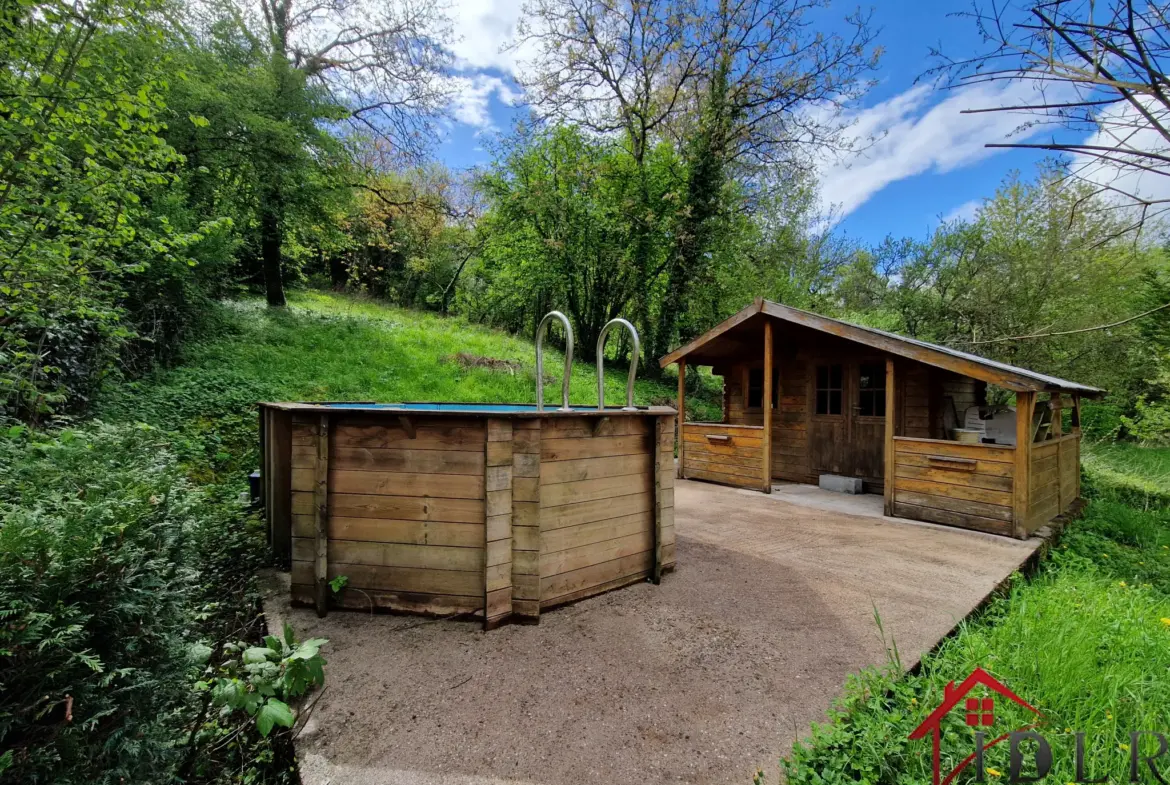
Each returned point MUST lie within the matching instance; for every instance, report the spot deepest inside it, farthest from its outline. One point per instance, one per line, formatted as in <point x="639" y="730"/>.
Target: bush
<point x="93" y="585"/>
<point x="117" y="578"/>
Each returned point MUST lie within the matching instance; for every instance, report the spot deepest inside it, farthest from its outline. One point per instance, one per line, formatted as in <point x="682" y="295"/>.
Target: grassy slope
<point x="333" y="347"/>
<point x="1087" y="641"/>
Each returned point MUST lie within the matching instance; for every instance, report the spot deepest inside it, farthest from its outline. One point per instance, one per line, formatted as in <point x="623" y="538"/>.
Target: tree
<point x="373" y="69"/>
<point x="729" y="82"/>
<point x="560" y="231"/>
<point x="1099" y="73"/>
<point x="82" y="91"/>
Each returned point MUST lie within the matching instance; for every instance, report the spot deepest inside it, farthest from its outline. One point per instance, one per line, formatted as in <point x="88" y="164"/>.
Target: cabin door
<point x="847" y="421"/>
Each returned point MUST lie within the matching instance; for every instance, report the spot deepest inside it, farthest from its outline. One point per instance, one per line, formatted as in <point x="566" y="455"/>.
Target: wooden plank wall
<point x="498" y="512"/>
<point x="664" y="495"/>
<point x="406" y="514"/>
<point x="276" y="429"/>
<point x="597" y="505"/>
<point x="526" y="518"/>
<point x="731" y="456"/>
<point x="914" y="381"/>
<point x="967" y="485"/>
<point x="1052" y="479"/>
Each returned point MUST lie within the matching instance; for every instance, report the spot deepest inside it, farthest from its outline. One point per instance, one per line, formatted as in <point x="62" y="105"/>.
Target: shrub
<point x="117" y="578"/>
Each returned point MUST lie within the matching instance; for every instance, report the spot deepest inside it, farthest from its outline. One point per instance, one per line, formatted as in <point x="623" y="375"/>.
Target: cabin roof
<point x="1008" y="376"/>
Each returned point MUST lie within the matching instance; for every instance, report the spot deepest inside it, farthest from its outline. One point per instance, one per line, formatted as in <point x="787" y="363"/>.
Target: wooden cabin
<point x="805" y="396"/>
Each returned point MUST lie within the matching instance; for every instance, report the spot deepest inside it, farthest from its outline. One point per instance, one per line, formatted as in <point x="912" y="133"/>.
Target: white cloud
<point x="482" y="28"/>
<point x="471" y="102"/>
<point x="1124" y="129"/>
<point x="915" y="135"/>
<point x="964" y="212"/>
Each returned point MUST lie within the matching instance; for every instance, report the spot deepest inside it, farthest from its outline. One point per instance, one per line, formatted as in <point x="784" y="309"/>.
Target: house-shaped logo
<point x="980" y="713"/>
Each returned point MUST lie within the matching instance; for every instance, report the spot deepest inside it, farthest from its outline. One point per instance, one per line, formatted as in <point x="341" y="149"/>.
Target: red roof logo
<point x="979" y="712"/>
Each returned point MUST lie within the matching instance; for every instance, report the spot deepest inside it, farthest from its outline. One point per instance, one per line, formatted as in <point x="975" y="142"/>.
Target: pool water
<point x="491" y="408"/>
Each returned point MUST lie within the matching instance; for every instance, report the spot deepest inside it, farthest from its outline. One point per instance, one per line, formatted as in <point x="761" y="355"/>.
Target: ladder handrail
<point x="540" y="331"/>
<point x="629" y="407"/>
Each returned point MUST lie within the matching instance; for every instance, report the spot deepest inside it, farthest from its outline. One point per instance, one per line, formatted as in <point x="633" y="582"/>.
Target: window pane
<point x="865" y="403"/>
<point x="822" y="377"/>
<point x="822" y="402"/>
<point x="834" y="401"/>
<point x="755" y="388"/>
<point x="879" y="404"/>
<point x="835" y="376"/>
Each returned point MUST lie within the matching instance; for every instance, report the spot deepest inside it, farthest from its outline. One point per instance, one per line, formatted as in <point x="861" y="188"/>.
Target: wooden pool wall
<point x="442" y="513"/>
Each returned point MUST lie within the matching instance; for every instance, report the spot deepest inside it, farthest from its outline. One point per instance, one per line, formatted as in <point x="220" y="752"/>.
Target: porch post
<point x="888" y="462"/>
<point x="1025" y="401"/>
<point x="766" y="460"/>
<point x="682" y="413"/>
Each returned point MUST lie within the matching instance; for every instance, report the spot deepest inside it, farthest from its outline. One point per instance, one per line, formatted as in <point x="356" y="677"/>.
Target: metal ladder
<point x="542" y="329"/>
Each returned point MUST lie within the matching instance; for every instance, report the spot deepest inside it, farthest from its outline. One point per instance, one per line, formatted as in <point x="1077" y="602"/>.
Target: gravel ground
<point x="703" y="679"/>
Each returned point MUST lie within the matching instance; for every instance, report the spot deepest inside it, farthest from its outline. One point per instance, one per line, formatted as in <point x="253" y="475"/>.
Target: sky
<point x="929" y="162"/>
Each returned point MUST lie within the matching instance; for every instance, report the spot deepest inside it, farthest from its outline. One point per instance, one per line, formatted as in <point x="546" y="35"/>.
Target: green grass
<point x="1138" y="475"/>
<point x="332" y="347"/>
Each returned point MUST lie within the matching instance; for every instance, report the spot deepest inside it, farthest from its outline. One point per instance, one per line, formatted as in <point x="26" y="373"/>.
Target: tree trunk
<point x="270" y="245"/>
<point x="338" y="274"/>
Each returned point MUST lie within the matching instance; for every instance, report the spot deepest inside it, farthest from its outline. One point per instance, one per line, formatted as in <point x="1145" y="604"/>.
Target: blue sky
<point x="929" y="163"/>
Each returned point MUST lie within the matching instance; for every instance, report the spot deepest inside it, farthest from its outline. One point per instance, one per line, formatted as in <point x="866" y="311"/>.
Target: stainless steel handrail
<point x="629" y="407"/>
<point x="540" y="331"/>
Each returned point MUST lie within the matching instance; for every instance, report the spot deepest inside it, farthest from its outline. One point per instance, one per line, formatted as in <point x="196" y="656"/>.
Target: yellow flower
<point x="1108" y="715"/>
<point x="1124" y="747"/>
<point x="914" y="701"/>
<point x="994" y="772"/>
<point x="1068" y="730"/>
<point x="1104" y="555"/>
<point x="1166" y="621"/>
<point x="1121" y="583"/>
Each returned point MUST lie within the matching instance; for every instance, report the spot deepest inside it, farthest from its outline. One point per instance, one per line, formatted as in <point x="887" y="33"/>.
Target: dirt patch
<point x="465" y="360"/>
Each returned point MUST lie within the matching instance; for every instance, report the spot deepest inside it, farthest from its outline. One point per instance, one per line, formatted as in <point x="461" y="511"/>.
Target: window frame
<point x="880" y="414"/>
<point x="817" y="389"/>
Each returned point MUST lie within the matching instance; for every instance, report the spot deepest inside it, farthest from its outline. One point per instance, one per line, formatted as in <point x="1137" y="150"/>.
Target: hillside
<point x="327" y="346"/>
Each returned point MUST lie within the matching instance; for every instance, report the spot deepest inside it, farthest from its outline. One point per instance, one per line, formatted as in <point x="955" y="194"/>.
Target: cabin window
<point x="871" y="390"/>
<point x="829" y="379"/>
<point x="755" y="396"/>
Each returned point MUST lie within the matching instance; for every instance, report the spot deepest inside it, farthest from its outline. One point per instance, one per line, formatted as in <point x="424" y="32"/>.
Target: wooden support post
<point x="766" y="457"/>
<point x="526" y="518"/>
<point x="663" y="472"/>
<point x="1076" y="429"/>
<point x="1025" y="404"/>
<point x="888" y="456"/>
<point x="682" y="415"/>
<point x="498" y="465"/>
<point x="1056" y="401"/>
<point x="321" y="517"/>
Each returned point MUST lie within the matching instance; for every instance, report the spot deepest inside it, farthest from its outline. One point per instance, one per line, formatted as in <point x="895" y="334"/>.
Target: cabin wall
<point x="726" y="454"/>
<point x="966" y="485"/>
<point x="1053" y="479"/>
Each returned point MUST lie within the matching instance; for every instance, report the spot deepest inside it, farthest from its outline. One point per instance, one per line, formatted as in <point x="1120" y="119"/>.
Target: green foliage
<point x="81" y="151"/>
<point x="261" y="680"/>
<point x="98" y="569"/>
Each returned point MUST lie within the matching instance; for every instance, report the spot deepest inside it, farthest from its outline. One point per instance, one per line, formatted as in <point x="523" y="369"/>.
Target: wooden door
<point x="867" y="418"/>
<point x="828" y="424"/>
<point x="847" y="418"/>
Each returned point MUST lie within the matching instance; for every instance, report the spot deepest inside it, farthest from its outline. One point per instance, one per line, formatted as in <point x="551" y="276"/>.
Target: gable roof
<point x="1002" y="374"/>
<point x="953" y="694"/>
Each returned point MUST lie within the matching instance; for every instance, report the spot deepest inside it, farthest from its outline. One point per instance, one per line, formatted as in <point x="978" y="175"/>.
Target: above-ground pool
<point x="446" y="508"/>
